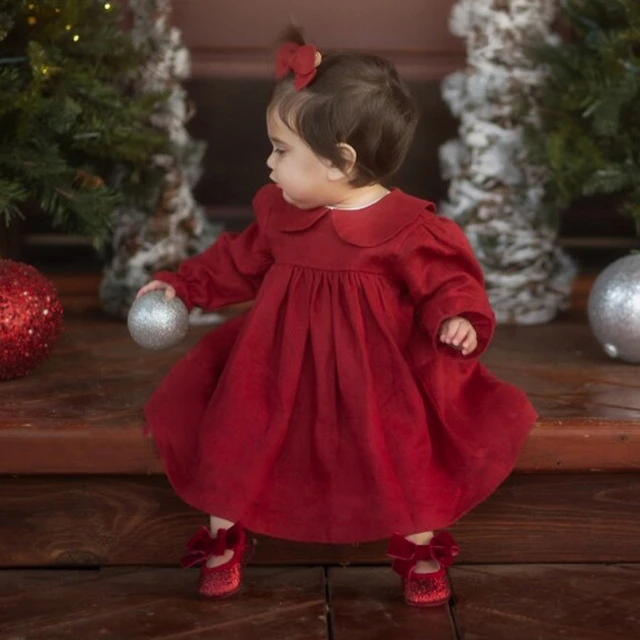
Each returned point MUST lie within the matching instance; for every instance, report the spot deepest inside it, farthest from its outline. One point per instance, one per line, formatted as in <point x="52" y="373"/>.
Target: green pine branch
<point x="589" y="138"/>
<point x="70" y="125"/>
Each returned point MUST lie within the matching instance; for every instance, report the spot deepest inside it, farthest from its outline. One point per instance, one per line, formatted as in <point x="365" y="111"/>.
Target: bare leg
<point x="428" y="566"/>
<point x="219" y="523"/>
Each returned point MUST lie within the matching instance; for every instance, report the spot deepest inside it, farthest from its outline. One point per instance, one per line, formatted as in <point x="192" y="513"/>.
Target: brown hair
<point x="357" y="99"/>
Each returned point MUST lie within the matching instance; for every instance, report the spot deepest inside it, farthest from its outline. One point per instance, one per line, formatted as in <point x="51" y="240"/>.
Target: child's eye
<point x="279" y="152"/>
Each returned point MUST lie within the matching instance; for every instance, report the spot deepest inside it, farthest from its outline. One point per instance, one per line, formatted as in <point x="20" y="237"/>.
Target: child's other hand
<point x="155" y="285"/>
<point x="459" y="334"/>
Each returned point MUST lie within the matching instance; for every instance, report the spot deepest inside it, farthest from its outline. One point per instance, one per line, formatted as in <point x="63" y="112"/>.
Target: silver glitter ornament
<point x="614" y="309"/>
<point x="156" y="322"/>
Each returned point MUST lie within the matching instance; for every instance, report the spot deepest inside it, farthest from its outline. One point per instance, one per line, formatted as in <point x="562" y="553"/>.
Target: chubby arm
<point x="445" y="282"/>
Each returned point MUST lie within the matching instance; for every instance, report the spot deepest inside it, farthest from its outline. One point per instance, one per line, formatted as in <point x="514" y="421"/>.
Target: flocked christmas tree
<point x="591" y="96"/>
<point x="496" y="190"/>
<point x="158" y="235"/>
<point x="67" y="117"/>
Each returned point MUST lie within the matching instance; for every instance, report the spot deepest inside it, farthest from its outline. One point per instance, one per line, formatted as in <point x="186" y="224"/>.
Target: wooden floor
<point x="491" y="602"/>
<point x="90" y="530"/>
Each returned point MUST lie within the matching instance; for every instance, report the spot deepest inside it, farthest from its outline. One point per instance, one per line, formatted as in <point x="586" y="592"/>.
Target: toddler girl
<point x="348" y="403"/>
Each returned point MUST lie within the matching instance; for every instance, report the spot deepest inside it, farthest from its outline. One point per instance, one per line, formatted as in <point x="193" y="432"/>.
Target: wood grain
<point x="491" y="602"/>
<point x="93" y="521"/>
<point x="148" y="604"/>
<point x="367" y="604"/>
<point x="538" y="602"/>
<point x="251" y="65"/>
<point x="85" y="402"/>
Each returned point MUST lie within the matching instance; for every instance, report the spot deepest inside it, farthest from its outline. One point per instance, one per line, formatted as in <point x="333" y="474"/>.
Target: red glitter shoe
<point x="423" y="589"/>
<point x="224" y="580"/>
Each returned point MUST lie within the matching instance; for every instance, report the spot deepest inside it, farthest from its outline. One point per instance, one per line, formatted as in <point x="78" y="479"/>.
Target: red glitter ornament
<point x="30" y="319"/>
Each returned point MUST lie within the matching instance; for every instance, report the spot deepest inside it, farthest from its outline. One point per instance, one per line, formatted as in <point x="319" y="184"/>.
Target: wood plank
<point x="86" y="401"/>
<point x="73" y="285"/>
<point x="367" y="604"/>
<point x="15" y="582"/>
<point x="92" y="521"/>
<point x="148" y="604"/>
<point x="70" y="285"/>
<point x="250" y="65"/>
<point x="538" y="602"/>
<point x="76" y="284"/>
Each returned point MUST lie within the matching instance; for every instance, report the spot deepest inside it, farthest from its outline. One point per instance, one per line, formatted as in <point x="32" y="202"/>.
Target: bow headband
<point x="302" y="60"/>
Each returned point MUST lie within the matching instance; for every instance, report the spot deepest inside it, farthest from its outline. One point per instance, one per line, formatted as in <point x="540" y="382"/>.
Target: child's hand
<point x="154" y="285"/>
<point x="459" y="334"/>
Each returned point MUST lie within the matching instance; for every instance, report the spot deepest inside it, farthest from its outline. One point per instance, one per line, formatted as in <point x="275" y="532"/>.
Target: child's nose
<point x="270" y="162"/>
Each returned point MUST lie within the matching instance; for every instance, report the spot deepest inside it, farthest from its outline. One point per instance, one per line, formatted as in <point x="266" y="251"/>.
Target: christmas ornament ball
<point x="158" y="322"/>
<point x="614" y="309"/>
<point x="30" y="318"/>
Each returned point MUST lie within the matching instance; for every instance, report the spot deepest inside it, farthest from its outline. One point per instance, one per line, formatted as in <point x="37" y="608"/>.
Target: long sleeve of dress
<point x="444" y="280"/>
<point x="231" y="270"/>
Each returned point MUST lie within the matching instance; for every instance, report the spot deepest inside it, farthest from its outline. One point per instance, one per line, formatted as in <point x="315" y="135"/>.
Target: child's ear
<point x="350" y="157"/>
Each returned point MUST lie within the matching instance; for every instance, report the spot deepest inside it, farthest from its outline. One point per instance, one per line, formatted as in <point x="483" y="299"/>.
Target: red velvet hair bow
<point x="302" y="60"/>
<point x="442" y="548"/>
<point x="203" y="545"/>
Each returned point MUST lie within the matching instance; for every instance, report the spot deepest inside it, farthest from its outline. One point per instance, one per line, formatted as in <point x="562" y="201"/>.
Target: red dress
<point x="329" y="412"/>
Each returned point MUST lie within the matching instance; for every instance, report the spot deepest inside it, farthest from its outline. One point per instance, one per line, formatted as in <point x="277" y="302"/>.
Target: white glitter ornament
<point x="157" y="322"/>
<point x="614" y="309"/>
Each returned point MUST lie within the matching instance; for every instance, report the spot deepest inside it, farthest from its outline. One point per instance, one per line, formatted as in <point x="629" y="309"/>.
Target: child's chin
<point x="296" y="203"/>
<point x="290" y="200"/>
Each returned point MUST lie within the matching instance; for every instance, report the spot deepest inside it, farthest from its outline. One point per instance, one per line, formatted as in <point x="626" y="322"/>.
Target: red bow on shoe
<point x="302" y="60"/>
<point x="203" y="545"/>
<point x="442" y="548"/>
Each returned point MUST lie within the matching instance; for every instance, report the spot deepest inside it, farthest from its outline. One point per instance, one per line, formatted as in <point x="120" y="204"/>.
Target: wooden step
<point x="490" y="602"/>
<point x="81" y="412"/>
<point x="102" y="521"/>
<point x="81" y="486"/>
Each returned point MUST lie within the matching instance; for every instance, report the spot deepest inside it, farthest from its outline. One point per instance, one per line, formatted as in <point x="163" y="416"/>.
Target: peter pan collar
<point x="368" y="227"/>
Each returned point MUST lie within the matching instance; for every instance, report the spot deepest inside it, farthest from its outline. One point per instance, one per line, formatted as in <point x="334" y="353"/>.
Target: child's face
<point x="305" y="179"/>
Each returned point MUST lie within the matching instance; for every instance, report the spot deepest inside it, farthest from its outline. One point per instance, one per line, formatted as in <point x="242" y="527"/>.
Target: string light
<point x="31" y="7"/>
<point x="107" y="6"/>
<point x="68" y="27"/>
<point x="32" y="20"/>
<point x="76" y="38"/>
